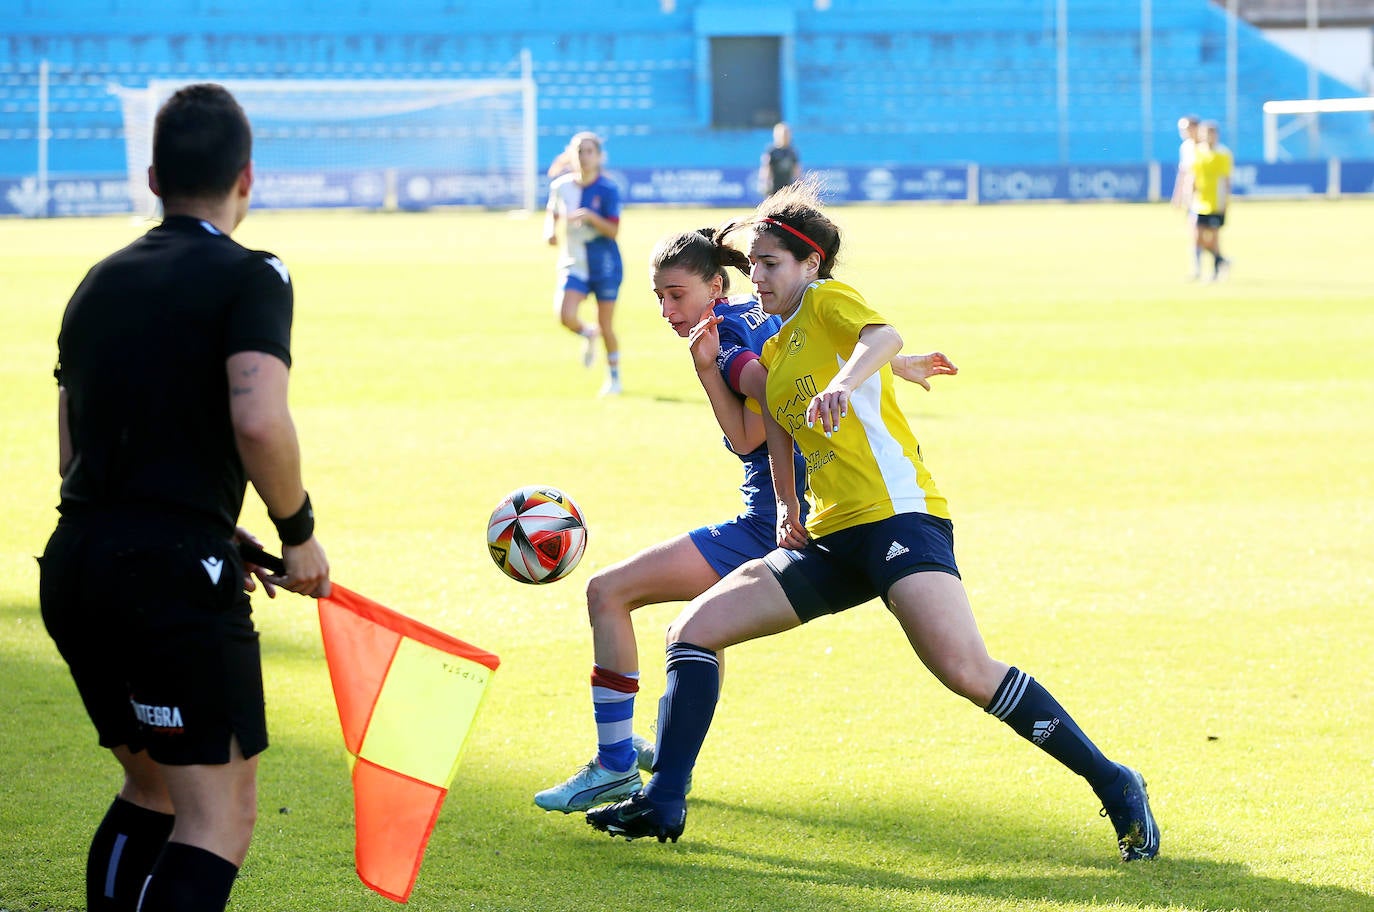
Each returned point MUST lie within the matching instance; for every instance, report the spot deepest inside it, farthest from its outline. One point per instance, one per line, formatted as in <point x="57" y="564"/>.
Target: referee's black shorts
<point x="154" y="624"/>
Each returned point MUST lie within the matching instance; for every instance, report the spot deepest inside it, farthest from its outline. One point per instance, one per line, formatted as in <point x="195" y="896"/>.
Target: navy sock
<point x="684" y="717"/>
<point x="1036" y="716"/>
<point x="123" y="851"/>
<point x="188" y="879"/>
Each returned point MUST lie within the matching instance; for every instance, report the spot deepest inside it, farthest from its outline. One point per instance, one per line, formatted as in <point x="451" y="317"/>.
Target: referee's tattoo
<point x="242" y="390"/>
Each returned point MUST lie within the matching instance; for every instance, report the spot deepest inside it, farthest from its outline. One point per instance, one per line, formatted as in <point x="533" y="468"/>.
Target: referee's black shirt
<point x="142" y="357"/>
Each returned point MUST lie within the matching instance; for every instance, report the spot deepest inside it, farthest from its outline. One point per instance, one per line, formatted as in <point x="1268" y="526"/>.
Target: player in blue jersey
<point x="690" y="280"/>
<point x="878" y="528"/>
<point x="589" y="262"/>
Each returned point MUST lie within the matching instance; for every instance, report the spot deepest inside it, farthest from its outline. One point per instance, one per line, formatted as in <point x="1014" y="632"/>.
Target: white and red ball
<point x="536" y="534"/>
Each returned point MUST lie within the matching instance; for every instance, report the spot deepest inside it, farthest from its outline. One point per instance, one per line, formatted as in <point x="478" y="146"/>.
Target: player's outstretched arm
<point x="918" y="368"/>
<point x="878" y="344"/>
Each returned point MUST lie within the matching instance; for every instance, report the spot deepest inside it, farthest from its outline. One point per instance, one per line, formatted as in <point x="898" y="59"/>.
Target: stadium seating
<point x="876" y="81"/>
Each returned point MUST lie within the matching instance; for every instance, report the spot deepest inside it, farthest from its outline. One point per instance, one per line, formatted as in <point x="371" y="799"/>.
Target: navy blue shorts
<point x="854" y="565"/>
<point x="1211" y="220"/>
<point x="729" y="544"/>
<point x="158" y="633"/>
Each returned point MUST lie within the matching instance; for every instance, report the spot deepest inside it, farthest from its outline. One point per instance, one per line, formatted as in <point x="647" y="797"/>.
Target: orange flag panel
<point x="407" y="696"/>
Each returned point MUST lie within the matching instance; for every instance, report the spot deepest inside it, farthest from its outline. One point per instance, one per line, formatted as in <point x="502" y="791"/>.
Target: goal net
<point x="374" y="143"/>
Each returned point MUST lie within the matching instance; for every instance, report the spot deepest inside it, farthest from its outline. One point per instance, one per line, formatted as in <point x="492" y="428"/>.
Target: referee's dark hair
<point x="201" y="143"/>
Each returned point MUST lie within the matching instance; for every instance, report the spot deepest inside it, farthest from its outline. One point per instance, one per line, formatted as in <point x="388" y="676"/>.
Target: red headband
<point x="795" y="233"/>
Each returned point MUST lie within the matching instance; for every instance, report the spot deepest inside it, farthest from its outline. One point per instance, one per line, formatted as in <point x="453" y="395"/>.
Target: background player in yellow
<point x="1211" y="194"/>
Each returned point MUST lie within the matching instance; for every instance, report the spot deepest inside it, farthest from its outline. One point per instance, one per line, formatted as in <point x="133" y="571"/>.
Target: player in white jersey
<point x="1183" y="182"/>
<point x="879" y="528"/>
<point x="589" y="260"/>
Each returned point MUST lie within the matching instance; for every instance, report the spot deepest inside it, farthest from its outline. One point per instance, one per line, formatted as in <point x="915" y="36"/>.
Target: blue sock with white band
<point x="613" y="707"/>
<point x="1033" y="714"/>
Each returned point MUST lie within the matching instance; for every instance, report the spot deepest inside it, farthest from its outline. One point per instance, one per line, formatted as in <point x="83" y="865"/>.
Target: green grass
<point x="1162" y="493"/>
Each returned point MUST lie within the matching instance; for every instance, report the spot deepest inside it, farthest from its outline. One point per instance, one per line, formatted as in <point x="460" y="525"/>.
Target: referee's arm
<point x="64" y="434"/>
<point x="267" y="444"/>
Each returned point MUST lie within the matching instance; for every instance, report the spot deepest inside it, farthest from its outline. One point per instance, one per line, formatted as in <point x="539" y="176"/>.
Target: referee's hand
<point x="307" y="569"/>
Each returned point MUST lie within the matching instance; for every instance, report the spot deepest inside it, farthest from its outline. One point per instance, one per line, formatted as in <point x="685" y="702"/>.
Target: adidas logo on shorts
<point x="897" y="550"/>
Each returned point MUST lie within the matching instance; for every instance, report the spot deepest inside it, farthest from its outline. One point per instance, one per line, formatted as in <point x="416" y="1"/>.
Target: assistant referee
<point x="172" y="395"/>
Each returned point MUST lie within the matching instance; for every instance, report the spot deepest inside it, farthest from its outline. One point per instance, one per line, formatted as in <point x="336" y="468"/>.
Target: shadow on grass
<point x="1096" y="879"/>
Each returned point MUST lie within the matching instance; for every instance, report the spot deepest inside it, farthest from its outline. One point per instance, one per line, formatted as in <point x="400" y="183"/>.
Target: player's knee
<point x="603" y="597"/>
<point x="680" y="629"/>
<point x="973" y="679"/>
<point x="693" y="626"/>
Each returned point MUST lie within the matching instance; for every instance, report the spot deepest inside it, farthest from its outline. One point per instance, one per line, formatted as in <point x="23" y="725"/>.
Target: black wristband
<point x="297" y="528"/>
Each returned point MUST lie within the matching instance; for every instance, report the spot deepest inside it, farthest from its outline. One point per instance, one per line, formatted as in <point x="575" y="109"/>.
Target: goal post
<point x="1305" y="114"/>
<point x="375" y="143"/>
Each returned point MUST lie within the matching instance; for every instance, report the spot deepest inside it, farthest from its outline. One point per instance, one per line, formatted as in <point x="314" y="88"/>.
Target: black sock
<point x="1036" y="716"/>
<point x="188" y="879"/>
<point x="123" y="851"/>
<point x="684" y="717"/>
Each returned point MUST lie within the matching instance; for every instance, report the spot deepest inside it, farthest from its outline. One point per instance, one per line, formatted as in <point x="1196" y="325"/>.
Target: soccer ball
<point x="536" y="534"/>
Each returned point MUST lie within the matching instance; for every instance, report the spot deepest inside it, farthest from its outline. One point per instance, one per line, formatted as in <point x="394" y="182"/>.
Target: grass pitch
<point x="1162" y="494"/>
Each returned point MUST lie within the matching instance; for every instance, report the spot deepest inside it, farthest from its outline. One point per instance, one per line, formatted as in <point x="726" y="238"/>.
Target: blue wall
<point x="865" y="81"/>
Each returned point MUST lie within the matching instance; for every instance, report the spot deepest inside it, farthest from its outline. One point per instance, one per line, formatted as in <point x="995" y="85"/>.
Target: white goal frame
<point x="141" y="104"/>
<point x="1304" y="112"/>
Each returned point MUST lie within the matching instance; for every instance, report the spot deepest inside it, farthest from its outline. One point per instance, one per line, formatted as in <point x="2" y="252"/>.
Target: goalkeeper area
<point x="367" y="143"/>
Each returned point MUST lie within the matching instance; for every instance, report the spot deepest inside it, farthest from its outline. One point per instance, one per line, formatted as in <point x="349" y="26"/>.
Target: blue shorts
<point x="597" y="271"/>
<point x="606" y="289"/>
<point x="1211" y="220"/>
<point x="854" y="565"/>
<point x="730" y="544"/>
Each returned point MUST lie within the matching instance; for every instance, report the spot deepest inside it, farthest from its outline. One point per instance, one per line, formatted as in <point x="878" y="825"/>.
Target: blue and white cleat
<point x="644" y="753"/>
<point x="589" y="787"/>
<point x="1128" y="806"/>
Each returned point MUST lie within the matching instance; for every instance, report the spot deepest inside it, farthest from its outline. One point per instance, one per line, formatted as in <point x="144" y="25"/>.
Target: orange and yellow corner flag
<point x="407" y="695"/>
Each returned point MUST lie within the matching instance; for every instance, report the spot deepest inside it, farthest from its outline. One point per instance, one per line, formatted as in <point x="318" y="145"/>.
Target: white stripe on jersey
<point x="896" y="468"/>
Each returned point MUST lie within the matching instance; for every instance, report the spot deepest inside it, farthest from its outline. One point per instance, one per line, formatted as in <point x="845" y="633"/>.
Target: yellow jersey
<point x="870" y="469"/>
<point x="1211" y="167"/>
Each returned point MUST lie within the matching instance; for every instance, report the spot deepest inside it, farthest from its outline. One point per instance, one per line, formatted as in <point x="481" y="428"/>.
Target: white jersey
<point x="1186" y="152"/>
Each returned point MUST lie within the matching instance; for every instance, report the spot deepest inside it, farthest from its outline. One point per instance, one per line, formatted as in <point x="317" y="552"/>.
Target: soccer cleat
<point x="636" y="816"/>
<point x="611" y="387"/>
<point x="590" y="786"/>
<point x="644" y="752"/>
<point x="1128" y="806"/>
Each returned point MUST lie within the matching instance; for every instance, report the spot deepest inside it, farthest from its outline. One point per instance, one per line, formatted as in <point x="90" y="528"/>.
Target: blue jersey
<point x="590" y="259"/>
<point x="743" y="330"/>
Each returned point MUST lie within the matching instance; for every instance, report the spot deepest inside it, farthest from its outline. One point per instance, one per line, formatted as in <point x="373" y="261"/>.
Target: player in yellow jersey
<point x="1211" y="194"/>
<point x="879" y="528"/>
